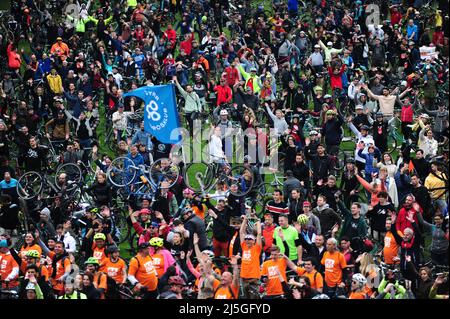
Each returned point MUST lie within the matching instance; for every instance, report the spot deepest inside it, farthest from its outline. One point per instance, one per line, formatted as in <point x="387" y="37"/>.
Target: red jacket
<point x="438" y="38"/>
<point x="402" y="223"/>
<point x="224" y="94"/>
<point x="407" y="114"/>
<point x="187" y="45"/>
<point x="139" y="36"/>
<point x="232" y="75"/>
<point x="171" y="35"/>
<point x="14" y="59"/>
<point x="336" y="79"/>
<point x="396" y="17"/>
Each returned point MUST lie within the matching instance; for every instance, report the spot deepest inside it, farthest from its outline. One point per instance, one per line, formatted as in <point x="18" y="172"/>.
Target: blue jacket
<point x="369" y="157"/>
<point x="137" y="160"/>
<point x="292" y="5"/>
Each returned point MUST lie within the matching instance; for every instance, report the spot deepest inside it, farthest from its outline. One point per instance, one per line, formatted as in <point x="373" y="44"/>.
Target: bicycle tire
<point x="242" y="177"/>
<point x="392" y="144"/>
<point x="198" y="176"/>
<point x="72" y="171"/>
<point x="170" y="172"/>
<point x="123" y="227"/>
<point x="133" y="240"/>
<point x="121" y="172"/>
<point x="29" y="185"/>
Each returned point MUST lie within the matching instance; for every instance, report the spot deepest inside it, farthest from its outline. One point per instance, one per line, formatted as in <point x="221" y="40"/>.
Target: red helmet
<point x="176" y="280"/>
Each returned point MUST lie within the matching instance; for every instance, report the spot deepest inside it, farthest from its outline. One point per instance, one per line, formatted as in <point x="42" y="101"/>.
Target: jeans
<point x="441" y="204"/>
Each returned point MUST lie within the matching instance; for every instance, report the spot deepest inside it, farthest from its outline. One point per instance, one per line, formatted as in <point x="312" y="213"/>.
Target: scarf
<point x="55" y="261"/>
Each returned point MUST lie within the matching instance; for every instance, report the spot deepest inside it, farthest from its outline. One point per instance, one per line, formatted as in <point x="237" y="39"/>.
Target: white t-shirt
<point x="215" y="149"/>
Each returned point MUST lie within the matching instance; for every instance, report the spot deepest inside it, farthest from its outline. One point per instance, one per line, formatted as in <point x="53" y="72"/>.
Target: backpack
<point x="229" y="290"/>
<point x="111" y="286"/>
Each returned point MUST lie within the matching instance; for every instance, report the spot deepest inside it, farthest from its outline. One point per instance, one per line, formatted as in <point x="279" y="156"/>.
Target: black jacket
<point x="321" y="167"/>
<point x="195" y="225"/>
<point x="221" y="226"/>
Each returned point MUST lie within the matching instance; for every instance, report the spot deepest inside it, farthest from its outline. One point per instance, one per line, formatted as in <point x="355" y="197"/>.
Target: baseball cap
<point x="253" y="70"/>
<point x="154" y="224"/>
<point x="313" y="132"/>
<point x="359" y="107"/>
<point x="224" y="112"/>
<point x="145" y="211"/>
<point x="317" y="46"/>
<point x="306" y="203"/>
<point x="329" y="43"/>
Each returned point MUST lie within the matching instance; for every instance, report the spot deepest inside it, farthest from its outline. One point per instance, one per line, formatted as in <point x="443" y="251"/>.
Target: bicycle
<point x="33" y="185"/>
<point x="202" y="177"/>
<point x="141" y="180"/>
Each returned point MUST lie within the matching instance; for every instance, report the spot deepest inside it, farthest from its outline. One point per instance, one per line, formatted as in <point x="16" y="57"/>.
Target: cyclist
<point x="100" y="279"/>
<point x="250" y="267"/>
<point x="270" y="271"/>
<point x="9" y="270"/>
<point x="142" y="274"/>
<point x="114" y="266"/>
<point x="357" y="287"/>
<point x="176" y="285"/>
<point x="335" y="264"/>
<point x="60" y="268"/>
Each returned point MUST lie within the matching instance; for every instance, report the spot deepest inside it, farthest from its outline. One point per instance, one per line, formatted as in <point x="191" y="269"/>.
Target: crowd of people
<point x="313" y="71"/>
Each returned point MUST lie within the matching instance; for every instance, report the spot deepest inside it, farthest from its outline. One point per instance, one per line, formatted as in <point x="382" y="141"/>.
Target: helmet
<point x="360" y="279"/>
<point x="91" y="209"/>
<point x="156" y="242"/>
<point x="224" y="112"/>
<point x="321" y="296"/>
<point x="176" y="280"/>
<point x="379" y="114"/>
<point x="302" y="219"/>
<point x="365" y="127"/>
<point x="100" y="236"/>
<point x="33" y="254"/>
<point x="350" y="160"/>
<point x="204" y="19"/>
<point x="188" y="191"/>
<point x="331" y="112"/>
<point x="92" y="261"/>
<point x="209" y="253"/>
<point x="327" y="96"/>
<point x="247" y="158"/>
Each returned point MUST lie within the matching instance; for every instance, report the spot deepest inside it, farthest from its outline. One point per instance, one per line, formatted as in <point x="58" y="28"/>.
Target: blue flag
<point x="161" y="117"/>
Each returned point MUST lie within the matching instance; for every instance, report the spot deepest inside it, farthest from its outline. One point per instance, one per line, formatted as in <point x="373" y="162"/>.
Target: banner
<point x="161" y="117"/>
<point x="426" y="53"/>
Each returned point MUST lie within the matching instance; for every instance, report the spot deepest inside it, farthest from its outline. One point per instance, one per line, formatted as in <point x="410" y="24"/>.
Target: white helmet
<point x="321" y="296"/>
<point x="224" y="112"/>
<point x="359" y="278"/>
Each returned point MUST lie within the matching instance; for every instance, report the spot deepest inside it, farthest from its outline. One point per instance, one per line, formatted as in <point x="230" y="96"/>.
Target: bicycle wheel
<point x="392" y="144"/>
<point x="239" y="180"/>
<point x="121" y="172"/>
<point x="29" y="185"/>
<point x="164" y="170"/>
<point x="123" y="227"/>
<point x="72" y="171"/>
<point x="198" y="176"/>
